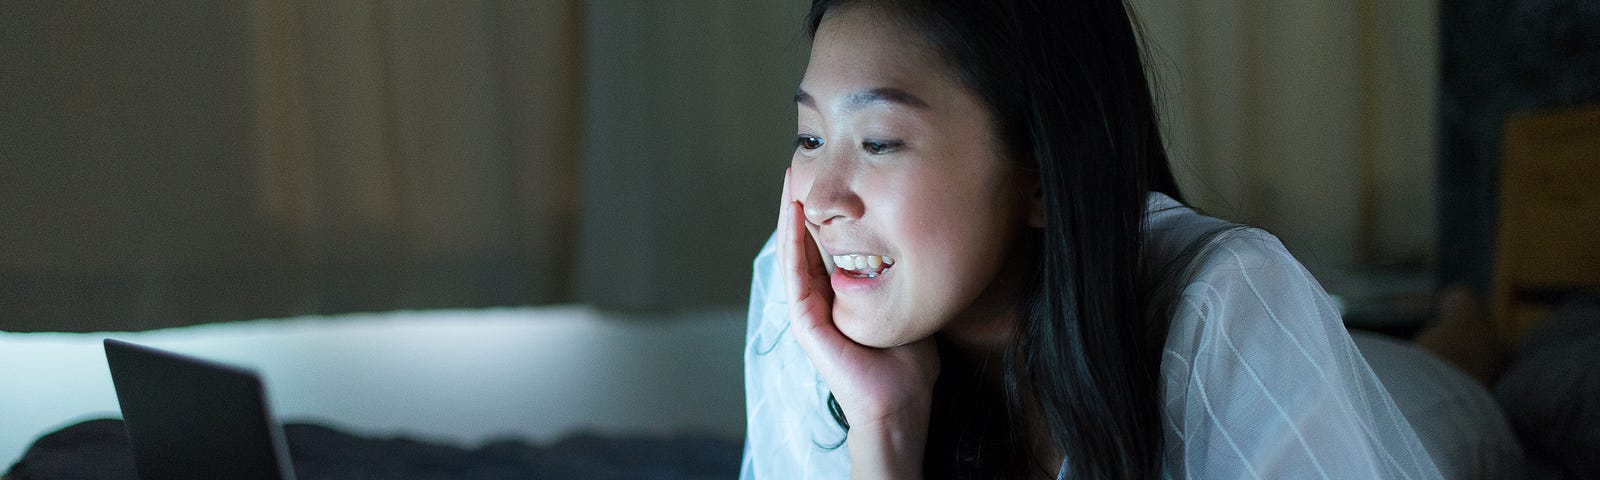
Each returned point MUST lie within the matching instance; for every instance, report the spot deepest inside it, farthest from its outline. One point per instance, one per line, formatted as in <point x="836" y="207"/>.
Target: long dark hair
<point x="1066" y="85"/>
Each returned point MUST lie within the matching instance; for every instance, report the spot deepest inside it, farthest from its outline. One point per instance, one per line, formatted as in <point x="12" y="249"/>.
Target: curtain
<point x="178" y="164"/>
<point x="688" y="125"/>
<point x="420" y="154"/>
<point x="619" y="154"/>
<point x="169" y="164"/>
<point x="1314" y="120"/>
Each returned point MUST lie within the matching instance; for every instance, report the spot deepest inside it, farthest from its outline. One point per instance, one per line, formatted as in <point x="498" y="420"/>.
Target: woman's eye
<point x="880" y="147"/>
<point x="808" y="142"/>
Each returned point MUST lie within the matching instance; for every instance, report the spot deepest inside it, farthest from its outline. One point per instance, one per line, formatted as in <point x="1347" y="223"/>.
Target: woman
<point x="983" y="269"/>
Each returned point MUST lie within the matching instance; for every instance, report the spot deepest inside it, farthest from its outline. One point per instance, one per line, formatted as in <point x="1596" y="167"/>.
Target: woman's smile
<point x="846" y="282"/>
<point x="863" y="266"/>
<point x="855" y="270"/>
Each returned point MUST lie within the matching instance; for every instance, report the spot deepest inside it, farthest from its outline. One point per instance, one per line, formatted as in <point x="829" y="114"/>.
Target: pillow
<point x="1455" y="417"/>
<point x="1551" y="390"/>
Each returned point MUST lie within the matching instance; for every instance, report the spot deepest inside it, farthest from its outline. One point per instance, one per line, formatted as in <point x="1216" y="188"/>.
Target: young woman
<point x="983" y="269"/>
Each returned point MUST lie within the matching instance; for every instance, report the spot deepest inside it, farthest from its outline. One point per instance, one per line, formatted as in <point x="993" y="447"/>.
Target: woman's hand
<point x="886" y="393"/>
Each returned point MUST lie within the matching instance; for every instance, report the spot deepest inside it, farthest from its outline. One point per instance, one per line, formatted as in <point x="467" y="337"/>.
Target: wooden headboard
<point x="1547" y="240"/>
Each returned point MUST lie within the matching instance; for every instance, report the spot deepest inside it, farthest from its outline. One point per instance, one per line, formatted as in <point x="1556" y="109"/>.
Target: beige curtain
<point x="177" y="164"/>
<point x="1314" y="120"/>
<point x="617" y="153"/>
<point x="420" y="154"/>
<point x="173" y="164"/>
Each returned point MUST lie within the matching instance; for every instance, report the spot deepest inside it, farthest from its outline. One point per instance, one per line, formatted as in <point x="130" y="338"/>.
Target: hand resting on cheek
<point x="885" y="393"/>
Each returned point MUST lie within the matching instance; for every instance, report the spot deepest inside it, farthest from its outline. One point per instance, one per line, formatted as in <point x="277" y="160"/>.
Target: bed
<point x="549" y="389"/>
<point x="529" y="393"/>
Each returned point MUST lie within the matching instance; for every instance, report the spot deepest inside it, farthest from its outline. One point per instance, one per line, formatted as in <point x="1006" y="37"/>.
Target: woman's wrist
<point x="890" y="447"/>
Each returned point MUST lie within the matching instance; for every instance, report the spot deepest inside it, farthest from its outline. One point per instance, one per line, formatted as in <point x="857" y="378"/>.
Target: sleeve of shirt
<point x="788" y="432"/>
<point x="1262" y="379"/>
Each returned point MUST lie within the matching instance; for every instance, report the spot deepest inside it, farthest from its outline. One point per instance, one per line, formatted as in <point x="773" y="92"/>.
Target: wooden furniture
<point x="1548" y="229"/>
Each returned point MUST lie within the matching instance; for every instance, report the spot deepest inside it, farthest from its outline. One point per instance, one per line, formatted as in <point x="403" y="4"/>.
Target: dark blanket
<point x="98" y="449"/>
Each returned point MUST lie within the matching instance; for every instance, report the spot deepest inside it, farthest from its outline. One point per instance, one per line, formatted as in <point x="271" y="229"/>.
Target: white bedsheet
<point x="464" y="376"/>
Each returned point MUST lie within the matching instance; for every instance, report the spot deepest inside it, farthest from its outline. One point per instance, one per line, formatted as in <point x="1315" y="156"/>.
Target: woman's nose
<point x="833" y="197"/>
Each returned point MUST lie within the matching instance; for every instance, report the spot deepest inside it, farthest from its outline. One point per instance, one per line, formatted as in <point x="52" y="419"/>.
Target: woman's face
<point x="896" y="161"/>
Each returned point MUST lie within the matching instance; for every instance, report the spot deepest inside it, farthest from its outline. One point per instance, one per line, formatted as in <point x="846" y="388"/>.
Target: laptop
<point x="189" y="418"/>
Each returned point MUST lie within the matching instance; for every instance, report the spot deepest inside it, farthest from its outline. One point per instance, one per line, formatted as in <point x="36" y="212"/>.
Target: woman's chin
<point x="872" y="330"/>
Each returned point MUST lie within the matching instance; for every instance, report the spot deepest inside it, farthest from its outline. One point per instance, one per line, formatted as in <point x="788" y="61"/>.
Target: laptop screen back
<point x="189" y="418"/>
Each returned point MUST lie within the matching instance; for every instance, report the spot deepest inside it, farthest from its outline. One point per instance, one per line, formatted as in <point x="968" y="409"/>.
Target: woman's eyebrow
<point x="865" y="98"/>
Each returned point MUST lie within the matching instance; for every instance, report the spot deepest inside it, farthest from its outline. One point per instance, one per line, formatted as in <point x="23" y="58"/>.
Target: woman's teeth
<point x="867" y="265"/>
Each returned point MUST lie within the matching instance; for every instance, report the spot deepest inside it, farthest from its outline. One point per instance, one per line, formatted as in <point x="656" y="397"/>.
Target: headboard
<point x="1547" y="240"/>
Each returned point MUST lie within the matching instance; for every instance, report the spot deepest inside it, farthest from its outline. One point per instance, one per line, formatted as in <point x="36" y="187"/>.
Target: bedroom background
<point x="179" y="164"/>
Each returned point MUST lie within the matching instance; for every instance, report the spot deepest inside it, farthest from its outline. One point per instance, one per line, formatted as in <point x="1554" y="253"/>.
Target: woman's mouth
<point x="862" y="266"/>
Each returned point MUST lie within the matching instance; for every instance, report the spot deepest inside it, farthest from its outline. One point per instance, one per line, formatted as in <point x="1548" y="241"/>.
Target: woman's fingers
<point x="797" y="256"/>
<point x="805" y="296"/>
<point x="811" y="302"/>
<point x="810" y="295"/>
